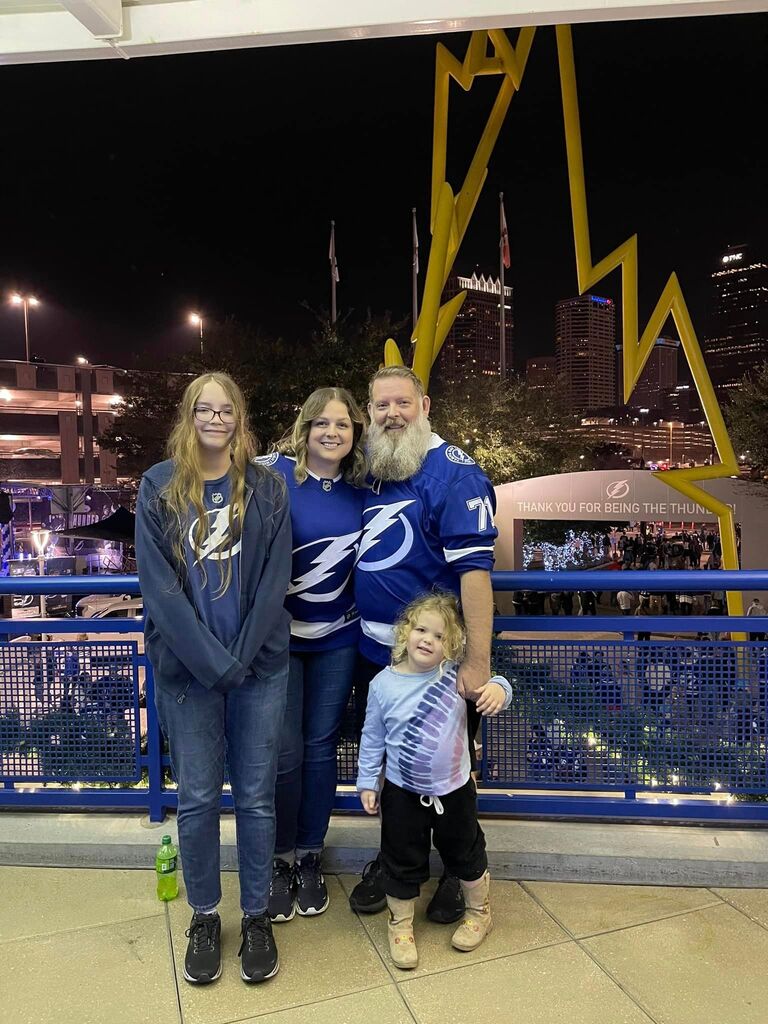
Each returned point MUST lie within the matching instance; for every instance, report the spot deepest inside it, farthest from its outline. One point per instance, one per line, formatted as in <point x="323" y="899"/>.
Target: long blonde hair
<point x="187" y="487"/>
<point x="354" y="466"/>
<point x="447" y="607"/>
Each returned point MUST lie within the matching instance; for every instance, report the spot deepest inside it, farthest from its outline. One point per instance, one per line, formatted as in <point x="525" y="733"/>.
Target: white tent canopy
<point x="34" y="30"/>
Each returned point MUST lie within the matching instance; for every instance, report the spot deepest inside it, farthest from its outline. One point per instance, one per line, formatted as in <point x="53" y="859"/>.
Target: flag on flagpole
<point x="504" y="241"/>
<point x="332" y="254"/>
<point x="415" y="243"/>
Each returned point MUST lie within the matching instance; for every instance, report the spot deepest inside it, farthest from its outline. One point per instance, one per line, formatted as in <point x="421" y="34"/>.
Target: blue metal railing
<point x="598" y="727"/>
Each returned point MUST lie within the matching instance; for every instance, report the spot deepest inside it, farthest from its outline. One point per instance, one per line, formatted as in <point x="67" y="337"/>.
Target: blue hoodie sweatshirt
<point x="180" y="646"/>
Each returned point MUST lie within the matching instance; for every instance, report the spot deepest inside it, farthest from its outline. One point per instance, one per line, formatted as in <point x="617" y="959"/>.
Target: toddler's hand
<point x="369" y="798"/>
<point x="490" y="699"/>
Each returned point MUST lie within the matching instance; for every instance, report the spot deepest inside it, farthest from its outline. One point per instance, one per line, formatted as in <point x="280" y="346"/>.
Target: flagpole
<point x="334" y="272"/>
<point x="502" y="304"/>
<point x="415" y="272"/>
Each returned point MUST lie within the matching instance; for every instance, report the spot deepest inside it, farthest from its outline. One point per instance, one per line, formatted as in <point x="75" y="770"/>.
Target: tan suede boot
<point x="402" y="947"/>
<point x="477" y="921"/>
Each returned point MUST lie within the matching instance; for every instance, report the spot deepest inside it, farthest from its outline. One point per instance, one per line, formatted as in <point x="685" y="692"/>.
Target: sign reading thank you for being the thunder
<point x="622" y="494"/>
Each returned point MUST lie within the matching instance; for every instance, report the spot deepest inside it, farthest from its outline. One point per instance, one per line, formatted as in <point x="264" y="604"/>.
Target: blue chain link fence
<point x="69" y="712"/>
<point x="688" y="717"/>
<point x="663" y="728"/>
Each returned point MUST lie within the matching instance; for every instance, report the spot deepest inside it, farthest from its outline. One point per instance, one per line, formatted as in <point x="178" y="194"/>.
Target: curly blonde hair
<point x="354" y="466"/>
<point x="442" y="604"/>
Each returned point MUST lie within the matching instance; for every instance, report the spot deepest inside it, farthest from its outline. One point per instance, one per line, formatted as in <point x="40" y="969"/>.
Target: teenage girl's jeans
<point x="319" y="685"/>
<point x="245" y="725"/>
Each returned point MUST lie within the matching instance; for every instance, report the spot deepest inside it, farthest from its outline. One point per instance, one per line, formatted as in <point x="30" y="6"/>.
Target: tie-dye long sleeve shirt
<point x="416" y="727"/>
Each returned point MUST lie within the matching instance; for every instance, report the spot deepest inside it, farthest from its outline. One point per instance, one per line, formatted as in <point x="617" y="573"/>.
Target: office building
<point x="540" y="372"/>
<point x="657" y="381"/>
<point x="473" y="344"/>
<point x="585" y="343"/>
<point x="664" y="443"/>
<point x="737" y="337"/>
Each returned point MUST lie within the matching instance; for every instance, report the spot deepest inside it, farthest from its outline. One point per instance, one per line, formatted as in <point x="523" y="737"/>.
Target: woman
<point x="213" y="545"/>
<point x="323" y="463"/>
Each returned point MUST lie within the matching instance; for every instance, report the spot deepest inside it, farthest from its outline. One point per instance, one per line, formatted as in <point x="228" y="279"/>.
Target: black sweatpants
<point x="408" y="829"/>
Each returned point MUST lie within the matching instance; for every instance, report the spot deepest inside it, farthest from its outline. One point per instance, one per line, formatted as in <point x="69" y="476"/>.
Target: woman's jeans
<point x="244" y="725"/>
<point x="319" y="685"/>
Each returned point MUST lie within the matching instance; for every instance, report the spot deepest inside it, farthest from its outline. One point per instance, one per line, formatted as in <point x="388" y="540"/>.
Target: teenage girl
<point x="213" y="546"/>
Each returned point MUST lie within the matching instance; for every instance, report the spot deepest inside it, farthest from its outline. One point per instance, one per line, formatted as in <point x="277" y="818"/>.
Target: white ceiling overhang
<point x="32" y="31"/>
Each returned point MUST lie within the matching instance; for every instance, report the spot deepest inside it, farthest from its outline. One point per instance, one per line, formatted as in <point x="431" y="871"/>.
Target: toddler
<point x="416" y="725"/>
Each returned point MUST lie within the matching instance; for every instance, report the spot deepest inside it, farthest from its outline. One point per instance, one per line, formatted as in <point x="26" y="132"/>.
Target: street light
<point x="81" y="360"/>
<point x="41" y="538"/>
<point x="196" y="320"/>
<point x="25" y="301"/>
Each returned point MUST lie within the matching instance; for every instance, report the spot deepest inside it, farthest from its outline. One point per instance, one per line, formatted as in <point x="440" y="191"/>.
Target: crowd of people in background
<point x="628" y="602"/>
<point x="648" y="549"/>
<point x="655" y="550"/>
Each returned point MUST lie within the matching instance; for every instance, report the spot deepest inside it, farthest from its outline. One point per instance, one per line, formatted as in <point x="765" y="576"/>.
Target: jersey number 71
<point x="484" y="511"/>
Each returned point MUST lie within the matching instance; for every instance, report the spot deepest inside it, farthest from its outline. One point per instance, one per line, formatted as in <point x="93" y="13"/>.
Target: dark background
<point x="135" y="191"/>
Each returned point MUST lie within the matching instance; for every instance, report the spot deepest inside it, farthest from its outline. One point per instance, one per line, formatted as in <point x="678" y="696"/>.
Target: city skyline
<point x="187" y="183"/>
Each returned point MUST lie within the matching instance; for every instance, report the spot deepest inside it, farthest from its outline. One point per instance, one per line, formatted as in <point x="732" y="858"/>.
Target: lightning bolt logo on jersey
<point x="326" y="519"/>
<point x="216" y="545"/>
<point x="418" y="534"/>
<point x="219" y="610"/>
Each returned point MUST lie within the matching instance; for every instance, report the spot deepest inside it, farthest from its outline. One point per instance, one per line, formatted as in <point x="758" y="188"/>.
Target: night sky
<point x="135" y="191"/>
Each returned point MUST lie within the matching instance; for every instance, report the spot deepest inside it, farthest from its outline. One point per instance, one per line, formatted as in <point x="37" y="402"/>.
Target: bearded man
<point x="427" y="523"/>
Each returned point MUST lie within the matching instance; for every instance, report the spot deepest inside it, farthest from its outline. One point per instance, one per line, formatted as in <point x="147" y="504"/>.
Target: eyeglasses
<point x="205" y="415"/>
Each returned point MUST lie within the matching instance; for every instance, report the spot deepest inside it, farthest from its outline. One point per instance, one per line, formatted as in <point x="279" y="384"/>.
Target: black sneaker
<point x="368" y="896"/>
<point x="311" y="891"/>
<point x="282" y="891"/>
<point x="202" y="964"/>
<point x="447" y="905"/>
<point x="258" y="952"/>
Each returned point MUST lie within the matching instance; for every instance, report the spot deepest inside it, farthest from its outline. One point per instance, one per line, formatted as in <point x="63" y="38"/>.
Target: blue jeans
<point x="244" y="725"/>
<point x="319" y="685"/>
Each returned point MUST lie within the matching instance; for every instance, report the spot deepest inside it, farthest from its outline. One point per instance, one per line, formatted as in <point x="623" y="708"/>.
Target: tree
<point x="747" y="418"/>
<point x="511" y="430"/>
<point x="275" y="374"/>
<point x="138" y="433"/>
<point x="607" y="455"/>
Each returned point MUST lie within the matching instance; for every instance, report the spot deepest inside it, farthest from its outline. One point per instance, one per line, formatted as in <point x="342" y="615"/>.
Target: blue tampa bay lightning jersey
<point x="326" y="519"/>
<point x="419" y="534"/>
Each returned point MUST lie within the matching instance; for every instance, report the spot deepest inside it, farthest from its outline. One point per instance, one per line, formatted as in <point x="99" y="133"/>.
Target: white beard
<point x="398" y="454"/>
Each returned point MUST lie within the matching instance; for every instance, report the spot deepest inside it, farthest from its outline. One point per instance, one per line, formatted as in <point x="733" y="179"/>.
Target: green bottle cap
<point x="167" y="840"/>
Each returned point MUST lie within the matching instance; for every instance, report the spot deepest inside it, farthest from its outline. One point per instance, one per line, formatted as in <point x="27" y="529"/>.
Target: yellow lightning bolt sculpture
<point x="451" y="214"/>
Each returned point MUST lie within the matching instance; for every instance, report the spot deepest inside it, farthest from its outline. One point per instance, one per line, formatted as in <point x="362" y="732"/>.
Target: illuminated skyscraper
<point x="658" y="379"/>
<point x="737" y="339"/>
<point x="585" y="350"/>
<point x="474" y="340"/>
<point x="540" y="372"/>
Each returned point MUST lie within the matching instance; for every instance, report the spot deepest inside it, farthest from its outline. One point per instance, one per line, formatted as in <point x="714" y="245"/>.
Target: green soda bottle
<point x="165" y="867"/>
